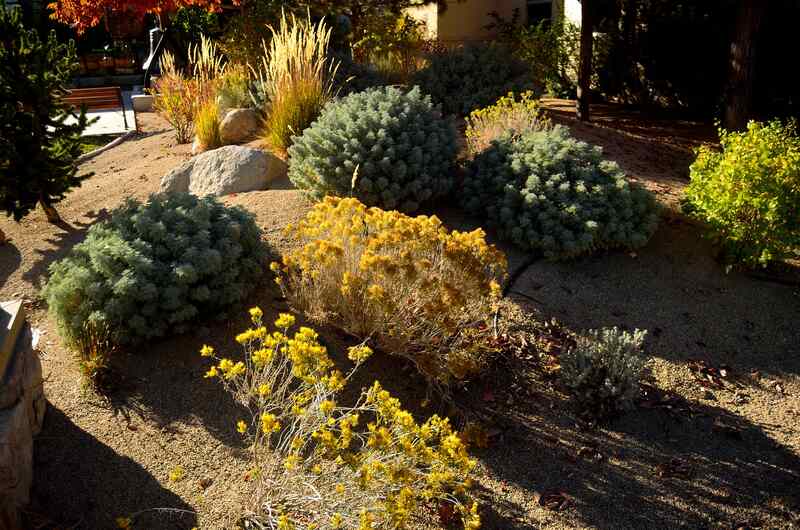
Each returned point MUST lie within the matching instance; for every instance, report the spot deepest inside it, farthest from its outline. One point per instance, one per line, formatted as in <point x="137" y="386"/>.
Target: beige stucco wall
<point x="466" y="21"/>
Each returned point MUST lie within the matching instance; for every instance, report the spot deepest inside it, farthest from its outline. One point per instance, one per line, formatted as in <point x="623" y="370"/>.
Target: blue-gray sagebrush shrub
<point x="548" y="192"/>
<point x="471" y="77"/>
<point x="399" y="147"/>
<point x="156" y="266"/>
<point x="603" y="369"/>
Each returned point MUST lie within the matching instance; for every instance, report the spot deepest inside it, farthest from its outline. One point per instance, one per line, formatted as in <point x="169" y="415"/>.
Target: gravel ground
<point x="724" y="454"/>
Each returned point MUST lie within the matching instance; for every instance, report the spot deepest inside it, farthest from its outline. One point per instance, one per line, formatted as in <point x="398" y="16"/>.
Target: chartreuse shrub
<point x="749" y="192"/>
<point x="321" y="464"/>
<point x="406" y="284"/>
<point x="508" y="115"/>
<point x="468" y="78"/>
<point x="603" y="369"/>
<point x="154" y="267"/>
<point x="548" y="192"/>
<point x="387" y="147"/>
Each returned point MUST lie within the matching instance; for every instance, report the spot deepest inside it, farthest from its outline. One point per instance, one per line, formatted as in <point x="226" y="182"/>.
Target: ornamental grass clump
<point x="603" y="369"/>
<point x="550" y="193"/>
<point x="508" y="115"/>
<point x="321" y="464"/>
<point x="387" y="147"/>
<point x="207" y="126"/>
<point x="470" y="77"/>
<point x="155" y="267"/>
<point x="296" y="78"/>
<point x="405" y="284"/>
<point x="749" y="193"/>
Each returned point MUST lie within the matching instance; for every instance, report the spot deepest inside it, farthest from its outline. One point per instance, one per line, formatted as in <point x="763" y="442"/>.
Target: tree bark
<point x="2" y="237"/>
<point x="585" y="64"/>
<point x="49" y="211"/>
<point x="742" y="63"/>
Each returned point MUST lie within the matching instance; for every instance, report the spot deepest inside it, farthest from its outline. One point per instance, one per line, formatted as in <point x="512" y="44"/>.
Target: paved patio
<point x="111" y="121"/>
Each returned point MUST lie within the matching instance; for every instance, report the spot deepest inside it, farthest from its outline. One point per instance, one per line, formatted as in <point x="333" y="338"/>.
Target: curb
<point x="113" y="143"/>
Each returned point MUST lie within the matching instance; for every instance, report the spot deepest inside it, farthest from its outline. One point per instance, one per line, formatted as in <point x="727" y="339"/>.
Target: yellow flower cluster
<point x="379" y="475"/>
<point x="409" y="284"/>
<point x="508" y="115"/>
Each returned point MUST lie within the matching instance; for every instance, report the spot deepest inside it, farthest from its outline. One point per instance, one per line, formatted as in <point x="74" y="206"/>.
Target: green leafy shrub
<point x="464" y="79"/>
<point x="387" y="147"/>
<point x="548" y="192"/>
<point x="156" y="266"/>
<point x="602" y="371"/>
<point x="749" y="193"/>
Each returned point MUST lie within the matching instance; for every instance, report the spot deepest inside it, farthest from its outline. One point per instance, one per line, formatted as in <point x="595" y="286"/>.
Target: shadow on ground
<point x="670" y="463"/>
<point x="72" y="470"/>
<point x="675" y="289"/>
<point x="69" y="236"/>
<point x="10" y="260"/>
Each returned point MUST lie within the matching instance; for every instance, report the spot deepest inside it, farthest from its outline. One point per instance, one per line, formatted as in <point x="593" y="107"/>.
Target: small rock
<point x="238" y="125"/>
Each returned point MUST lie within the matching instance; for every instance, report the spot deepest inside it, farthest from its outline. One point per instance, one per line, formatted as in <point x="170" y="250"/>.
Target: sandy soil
<point x="723" y="455"/>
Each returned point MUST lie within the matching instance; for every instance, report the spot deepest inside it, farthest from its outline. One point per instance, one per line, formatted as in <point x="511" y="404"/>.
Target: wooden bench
<point x="103" y="98"/>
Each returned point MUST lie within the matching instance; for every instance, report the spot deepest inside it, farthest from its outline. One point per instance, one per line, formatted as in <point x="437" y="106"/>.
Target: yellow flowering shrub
<point x="318" y="464"/>
<point x="406" y="284"/>
<point x="508" y="115"/>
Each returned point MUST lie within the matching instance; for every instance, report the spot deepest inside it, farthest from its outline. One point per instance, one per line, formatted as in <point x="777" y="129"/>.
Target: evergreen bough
<point x="548" y="192"/>
<point x="387" y="147"/>
<point x="471" y="77"/>
<point x="156" y="266"/>
<point x="38" y="150"/>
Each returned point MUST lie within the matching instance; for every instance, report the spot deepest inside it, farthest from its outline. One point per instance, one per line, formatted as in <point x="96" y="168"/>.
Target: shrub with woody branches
<point x="406" y="284"/>
<point x="320" y="464"/>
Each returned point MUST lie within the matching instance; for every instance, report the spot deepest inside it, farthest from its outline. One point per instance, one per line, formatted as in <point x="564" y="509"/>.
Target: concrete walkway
<point x="110" y="121"/>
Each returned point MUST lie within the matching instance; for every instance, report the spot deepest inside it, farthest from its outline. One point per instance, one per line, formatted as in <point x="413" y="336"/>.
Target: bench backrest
<point x="95" y="98"/>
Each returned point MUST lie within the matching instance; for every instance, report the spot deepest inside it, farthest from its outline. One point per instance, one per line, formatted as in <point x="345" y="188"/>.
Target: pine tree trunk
<point x="585" y="65"/>
<point x="742" y="63"/>
<point x="2" y="237"/>
<point x="49" y="211"/>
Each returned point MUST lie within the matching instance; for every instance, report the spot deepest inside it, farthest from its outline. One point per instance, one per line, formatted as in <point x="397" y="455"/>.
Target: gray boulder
<point x="238" y="125"/>
<point x="229" y="169"/>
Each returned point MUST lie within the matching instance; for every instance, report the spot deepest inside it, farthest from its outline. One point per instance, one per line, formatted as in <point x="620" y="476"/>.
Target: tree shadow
<point x="675" y="288"/>
<point x="671" y="463"/>
<point x="10" y="260"/>
<point x="60" y="245"/>
<point x="72" y="470"/>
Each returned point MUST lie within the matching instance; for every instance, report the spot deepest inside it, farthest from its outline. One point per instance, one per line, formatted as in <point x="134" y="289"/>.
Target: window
<point x="539" y="11"/>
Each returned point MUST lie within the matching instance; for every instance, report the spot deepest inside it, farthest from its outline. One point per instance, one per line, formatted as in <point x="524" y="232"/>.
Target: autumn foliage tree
<point x="84" y="14"/>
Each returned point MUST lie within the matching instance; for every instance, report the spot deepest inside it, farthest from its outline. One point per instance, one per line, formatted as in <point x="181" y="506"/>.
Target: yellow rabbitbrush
<point x="319" y="464"/>
<point x="405" y="284"/>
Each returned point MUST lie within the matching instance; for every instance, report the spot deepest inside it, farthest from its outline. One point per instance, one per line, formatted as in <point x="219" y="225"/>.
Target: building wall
<point x="572" y="11"/>
<point x="466" y="21"/>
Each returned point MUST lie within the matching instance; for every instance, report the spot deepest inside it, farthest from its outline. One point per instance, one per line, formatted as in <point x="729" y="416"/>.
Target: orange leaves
<point x="84" y="14"/>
